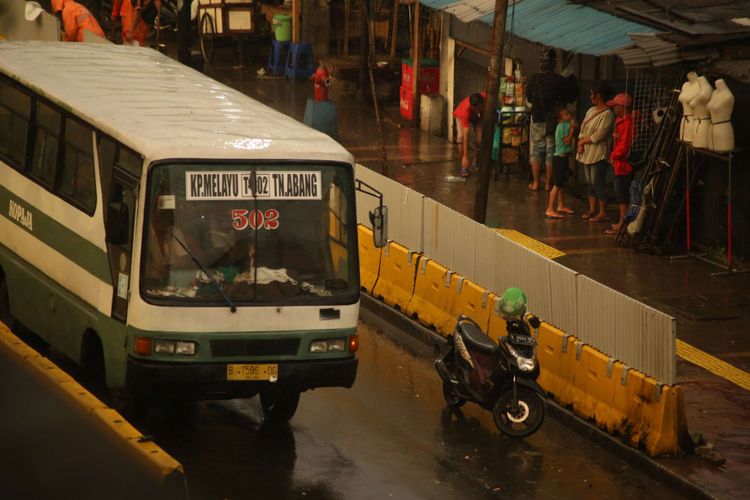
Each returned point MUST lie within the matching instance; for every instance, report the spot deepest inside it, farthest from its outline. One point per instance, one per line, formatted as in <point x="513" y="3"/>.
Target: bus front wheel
<point x="279" y="404"/>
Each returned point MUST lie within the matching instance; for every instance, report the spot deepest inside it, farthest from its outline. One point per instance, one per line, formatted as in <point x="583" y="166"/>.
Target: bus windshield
<point x="270" y="234"/>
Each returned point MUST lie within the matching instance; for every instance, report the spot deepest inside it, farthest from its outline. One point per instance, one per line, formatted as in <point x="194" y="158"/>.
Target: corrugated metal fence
<point x="617" y="325"/>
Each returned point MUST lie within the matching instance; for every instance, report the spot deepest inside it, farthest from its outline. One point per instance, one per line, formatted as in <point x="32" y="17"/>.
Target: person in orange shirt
<point x="136" y="17"/>
<point x="75" y="18"/>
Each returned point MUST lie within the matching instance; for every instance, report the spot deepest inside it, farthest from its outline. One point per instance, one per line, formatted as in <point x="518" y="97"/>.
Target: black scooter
<point x="499" y="377"/>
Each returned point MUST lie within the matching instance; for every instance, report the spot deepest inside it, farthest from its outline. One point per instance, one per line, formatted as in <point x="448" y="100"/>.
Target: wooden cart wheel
<point x="207" y="34"/>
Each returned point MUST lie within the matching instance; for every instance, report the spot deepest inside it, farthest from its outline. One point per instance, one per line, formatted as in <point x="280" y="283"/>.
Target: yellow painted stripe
<point x="713" y="364"/>
<point x="535" y="246"/>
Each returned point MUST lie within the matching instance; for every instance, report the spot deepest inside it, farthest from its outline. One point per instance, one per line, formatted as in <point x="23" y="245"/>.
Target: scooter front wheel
<point x="451" y="399"/>
<point x="519" y="419"/>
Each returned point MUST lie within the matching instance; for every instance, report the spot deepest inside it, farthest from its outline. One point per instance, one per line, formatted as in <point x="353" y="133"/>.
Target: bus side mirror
<point x="117" y="224"/>
<point x="379" y="220"/>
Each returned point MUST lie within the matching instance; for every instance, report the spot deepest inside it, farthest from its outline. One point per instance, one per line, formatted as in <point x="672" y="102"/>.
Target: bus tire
<point x="5" y="316"/>
<point x="279" y="404"/>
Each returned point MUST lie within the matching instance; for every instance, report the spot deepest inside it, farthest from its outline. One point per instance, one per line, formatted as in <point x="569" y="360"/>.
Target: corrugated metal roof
<point x="557" y="23"/>
<point x="693" y="17"/>
<point x="653" y="49"/>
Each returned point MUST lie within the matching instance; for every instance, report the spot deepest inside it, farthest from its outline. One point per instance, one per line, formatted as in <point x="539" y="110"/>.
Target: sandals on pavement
<point x="565" y="210"/>
<point x="553" y="215"/>
<point x="599" y="218"/>
<point x="464" y="172"/>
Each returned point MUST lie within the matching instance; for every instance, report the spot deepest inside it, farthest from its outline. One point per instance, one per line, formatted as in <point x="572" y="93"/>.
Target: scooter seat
<point x="475" y="339"/>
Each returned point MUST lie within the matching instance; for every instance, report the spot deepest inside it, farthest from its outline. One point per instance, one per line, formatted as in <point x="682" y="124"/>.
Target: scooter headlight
<point x="524" y="364"/>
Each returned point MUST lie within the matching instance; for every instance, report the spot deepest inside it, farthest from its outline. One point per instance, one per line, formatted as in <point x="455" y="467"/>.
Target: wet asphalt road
<point x="389" y="437"/>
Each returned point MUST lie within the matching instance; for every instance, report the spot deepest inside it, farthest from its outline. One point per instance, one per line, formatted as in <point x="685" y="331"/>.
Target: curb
<point x="155" y="462"/>
<point x="375" y="312"/>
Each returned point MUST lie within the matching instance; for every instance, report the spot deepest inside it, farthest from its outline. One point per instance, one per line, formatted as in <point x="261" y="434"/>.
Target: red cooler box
<point x="429" y="75"/>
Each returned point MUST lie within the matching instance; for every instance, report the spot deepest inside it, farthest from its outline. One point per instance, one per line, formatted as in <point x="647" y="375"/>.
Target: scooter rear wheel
<point x="451" y="399"/>
<point x="521" y="419"/>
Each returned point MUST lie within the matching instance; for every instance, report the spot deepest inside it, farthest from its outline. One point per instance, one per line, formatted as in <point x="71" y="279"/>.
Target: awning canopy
<point x="556" y="23"/>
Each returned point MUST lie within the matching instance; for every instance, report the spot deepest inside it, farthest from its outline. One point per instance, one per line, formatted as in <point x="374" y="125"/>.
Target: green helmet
<point x="513" y="303"/>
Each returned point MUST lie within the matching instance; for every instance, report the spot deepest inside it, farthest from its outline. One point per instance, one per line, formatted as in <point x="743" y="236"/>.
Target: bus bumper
<point x="210" y="379"/>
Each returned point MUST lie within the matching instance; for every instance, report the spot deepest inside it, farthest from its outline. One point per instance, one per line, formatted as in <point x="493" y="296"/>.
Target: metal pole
<point x="295" y="21"/>
<point x="489" y="118"/>
<point x="371" y="63"/>
<point x="363" y="51"/>
<point x="416" y="49"/>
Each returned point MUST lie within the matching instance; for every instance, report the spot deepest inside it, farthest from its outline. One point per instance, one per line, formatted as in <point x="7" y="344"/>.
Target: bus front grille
<point x="254" y="347"/>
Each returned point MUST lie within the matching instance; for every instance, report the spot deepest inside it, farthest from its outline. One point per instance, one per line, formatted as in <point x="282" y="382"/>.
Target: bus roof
<point x="159" y="107"/>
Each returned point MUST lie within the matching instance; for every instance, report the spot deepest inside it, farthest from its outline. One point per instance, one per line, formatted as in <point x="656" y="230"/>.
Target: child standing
<point x="622" y="141"/>
<point x="564" y="131"/>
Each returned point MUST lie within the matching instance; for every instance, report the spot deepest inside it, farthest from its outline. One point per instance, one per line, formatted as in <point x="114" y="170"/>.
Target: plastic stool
<point x="299" y="62"/>
<point x="277" y="57"/>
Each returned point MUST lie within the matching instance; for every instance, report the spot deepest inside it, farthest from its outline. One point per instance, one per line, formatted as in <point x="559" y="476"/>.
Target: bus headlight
<point x="179" y="347"/>
<point x="164" y="346"/>
<point x="318" y="346"/>
<point x="336" y="345"/>
<point x="328" y="345"/>
<point x="185" y="348"/>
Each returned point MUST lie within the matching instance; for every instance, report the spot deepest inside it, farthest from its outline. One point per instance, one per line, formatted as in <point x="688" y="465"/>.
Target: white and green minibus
<point x="171" y="233"/>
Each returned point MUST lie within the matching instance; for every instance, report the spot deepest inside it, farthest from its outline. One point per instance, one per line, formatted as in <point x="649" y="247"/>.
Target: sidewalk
<point x="713" y="314"/>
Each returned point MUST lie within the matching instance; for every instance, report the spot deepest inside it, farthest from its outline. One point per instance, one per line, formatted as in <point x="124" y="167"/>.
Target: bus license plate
<point x="268" y="372"/>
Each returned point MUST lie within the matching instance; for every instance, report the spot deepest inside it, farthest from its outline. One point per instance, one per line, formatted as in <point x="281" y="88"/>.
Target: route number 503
<point x="243" y="218"/>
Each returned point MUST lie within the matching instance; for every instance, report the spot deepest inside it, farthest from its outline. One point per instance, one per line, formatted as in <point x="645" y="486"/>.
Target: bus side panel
<point x="60" y="317"/>
<point x="113" y="335"/>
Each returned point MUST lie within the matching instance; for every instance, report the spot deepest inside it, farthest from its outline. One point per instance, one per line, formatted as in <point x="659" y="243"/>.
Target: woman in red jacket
<point x="622" y="141"/>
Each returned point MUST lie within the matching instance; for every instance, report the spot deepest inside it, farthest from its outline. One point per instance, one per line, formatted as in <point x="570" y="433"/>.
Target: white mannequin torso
<point x="701" y="117"/>
<point x="721" y="135"/>
<point x="689" y="91"/>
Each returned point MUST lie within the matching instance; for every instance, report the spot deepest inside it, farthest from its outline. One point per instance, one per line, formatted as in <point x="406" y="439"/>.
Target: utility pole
<point x="370" y="64"/>
<point x="489" y="115"/>
<point x="416" y="62"/>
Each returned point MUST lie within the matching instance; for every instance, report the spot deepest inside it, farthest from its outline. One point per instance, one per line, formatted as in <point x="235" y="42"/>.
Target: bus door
<point x="120" y="170"/>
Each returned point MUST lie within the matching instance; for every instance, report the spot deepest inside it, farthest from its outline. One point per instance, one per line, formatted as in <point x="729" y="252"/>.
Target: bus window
<point x="130" y="162"/>
<point x="107" y="149"/>
<point x="209" y="238"/>
<point x="15" y="110"/>
<point x="46" y="143"/>
<point x="77" y="177"/>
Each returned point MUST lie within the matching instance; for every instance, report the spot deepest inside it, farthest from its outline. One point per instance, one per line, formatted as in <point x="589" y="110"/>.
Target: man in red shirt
<point x="75" y="19"/>
<point x="622" y="141"/>
<point x="469" y="113"/>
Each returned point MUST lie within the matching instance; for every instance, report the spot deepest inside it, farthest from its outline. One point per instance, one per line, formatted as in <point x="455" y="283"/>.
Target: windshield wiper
<point x="232" y="307"/>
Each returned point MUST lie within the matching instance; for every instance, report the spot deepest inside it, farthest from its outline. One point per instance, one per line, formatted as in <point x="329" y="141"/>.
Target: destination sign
<point x="283" y="185"/>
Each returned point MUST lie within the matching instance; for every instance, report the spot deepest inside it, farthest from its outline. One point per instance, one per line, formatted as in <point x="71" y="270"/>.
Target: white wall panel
<point x="564" y="299"/>
<point x="658" y="353"/>
<point x="404" y="208"/>
<point x="627" y="330"/>
<point x="596" y="314"/>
